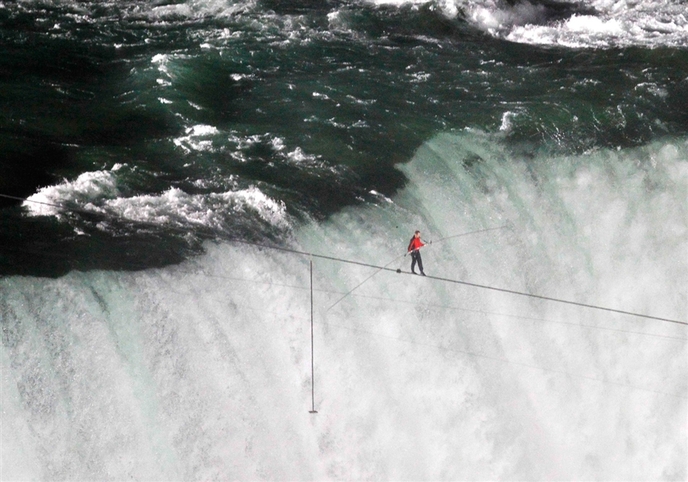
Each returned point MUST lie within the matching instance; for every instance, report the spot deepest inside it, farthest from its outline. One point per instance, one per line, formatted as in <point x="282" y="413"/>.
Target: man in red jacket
<point x="414" y="248"/>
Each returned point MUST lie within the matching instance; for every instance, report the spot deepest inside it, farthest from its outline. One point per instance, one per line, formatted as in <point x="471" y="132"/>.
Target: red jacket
<point x="415" y="243"/>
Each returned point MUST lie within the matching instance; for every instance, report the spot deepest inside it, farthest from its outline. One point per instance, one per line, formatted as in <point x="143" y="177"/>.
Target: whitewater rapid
<point x="579" y="24"/>
<point x="202" y="370"/>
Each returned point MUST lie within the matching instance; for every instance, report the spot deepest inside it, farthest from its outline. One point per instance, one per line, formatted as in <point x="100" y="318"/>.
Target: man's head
<point x="416" y="234"/>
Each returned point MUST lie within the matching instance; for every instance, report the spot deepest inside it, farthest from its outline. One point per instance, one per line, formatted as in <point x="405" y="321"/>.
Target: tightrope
<point x="466" y="283"/>
<point x="384" y="268"/>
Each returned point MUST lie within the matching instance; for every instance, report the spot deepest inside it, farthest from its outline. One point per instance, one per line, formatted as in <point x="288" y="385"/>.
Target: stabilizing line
<point x="361" y="283"/>
<point x="401" y="256"/>
<point x="466" y="283"/>
<point x="466" y="234"/>
<point x="557" y="300"/>
<point x="312" y="410"/>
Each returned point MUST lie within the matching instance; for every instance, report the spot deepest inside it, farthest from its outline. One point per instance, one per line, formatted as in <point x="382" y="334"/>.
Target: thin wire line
<point x="59" y="206"/>
<point x="466" y="283"/>
<point x="361" y="283"/>
<point x="507" y="315"/>
<point x="466" y="234"/>
<point x="381" y="268"/>
<point x="557" y="300"/>
<point x="432" y="305"/>
<point x="310" y="263"/>
<point x="403" y="255"/>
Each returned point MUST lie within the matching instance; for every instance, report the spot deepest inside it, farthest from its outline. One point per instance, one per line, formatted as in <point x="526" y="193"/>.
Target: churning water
<point x="147" y="336"/>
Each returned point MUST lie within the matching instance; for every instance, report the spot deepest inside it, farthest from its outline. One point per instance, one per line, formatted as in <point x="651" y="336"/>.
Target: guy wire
<point x="401" y="256"/>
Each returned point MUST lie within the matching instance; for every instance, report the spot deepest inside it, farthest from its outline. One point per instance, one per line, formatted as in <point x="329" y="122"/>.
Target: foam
<point x="620" y="23"/>
<point x="614" y="22"/>
<point x="88" y="187"/>
<point x="203" y="369"/>
<point x="201" y="8"/>
<point x="399" y="3"/>
<point x="197" y="138"/>
<point x="174" y="207"/>
<point x="99" y="192"/>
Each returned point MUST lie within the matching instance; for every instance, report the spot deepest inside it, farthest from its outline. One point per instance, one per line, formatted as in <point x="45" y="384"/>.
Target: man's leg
<point x="414" y="260"/>
<point x="420" y="264"/>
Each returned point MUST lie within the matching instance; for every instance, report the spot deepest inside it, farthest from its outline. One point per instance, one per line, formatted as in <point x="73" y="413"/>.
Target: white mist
<point x="202" y="370"/>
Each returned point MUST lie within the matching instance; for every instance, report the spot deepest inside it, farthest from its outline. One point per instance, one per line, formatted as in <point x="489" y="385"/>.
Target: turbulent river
<point x="168" y="167"/>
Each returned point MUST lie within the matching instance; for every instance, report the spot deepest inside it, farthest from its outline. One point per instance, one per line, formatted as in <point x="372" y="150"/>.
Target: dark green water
<point x="168" y="110"/>
<point x="542" y="144"/>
